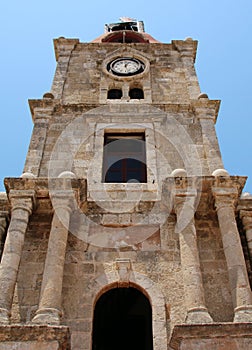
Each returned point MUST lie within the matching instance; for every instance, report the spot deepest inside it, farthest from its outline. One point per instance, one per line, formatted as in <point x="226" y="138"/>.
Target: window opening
<point x="136" y="93"/>
<point x="115" y="94"/>
<point x="124" y="158"/>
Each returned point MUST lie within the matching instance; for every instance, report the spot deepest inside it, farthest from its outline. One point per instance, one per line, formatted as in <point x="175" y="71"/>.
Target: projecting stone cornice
<point x="203" y="108"/>
<point x="203" y="185"/>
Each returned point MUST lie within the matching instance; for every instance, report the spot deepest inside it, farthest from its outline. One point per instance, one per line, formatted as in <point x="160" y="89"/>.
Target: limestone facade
<point x="182" y="237"/>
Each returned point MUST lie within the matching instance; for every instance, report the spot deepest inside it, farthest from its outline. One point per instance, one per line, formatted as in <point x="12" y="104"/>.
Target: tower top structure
<point x="128" y="30"/>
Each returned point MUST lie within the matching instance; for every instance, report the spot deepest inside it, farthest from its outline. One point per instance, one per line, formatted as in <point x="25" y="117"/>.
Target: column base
<point x="217" y="336"/>
<point x="198" y="315"/>
<point x="47" y="316"/>
<point x="4" y="316"/>
<point x="243" y="314"/>
<point x="35" y="337"/>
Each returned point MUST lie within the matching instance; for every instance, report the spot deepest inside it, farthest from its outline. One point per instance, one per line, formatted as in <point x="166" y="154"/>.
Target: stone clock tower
<point x="124" y="230"/>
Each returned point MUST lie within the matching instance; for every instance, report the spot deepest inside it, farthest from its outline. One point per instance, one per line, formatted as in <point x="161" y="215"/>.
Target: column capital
<point x="63" y="199"/>
<point x="225" y="196"/>
<point x="225" y="201"/>
<point x="22" y="199"/>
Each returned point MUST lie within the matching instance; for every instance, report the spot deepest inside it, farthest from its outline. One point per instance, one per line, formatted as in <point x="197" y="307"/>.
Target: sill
<point x="123" y="192"/>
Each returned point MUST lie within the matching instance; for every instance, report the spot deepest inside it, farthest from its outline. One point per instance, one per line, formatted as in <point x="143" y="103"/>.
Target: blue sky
<point x="223" y="29"/>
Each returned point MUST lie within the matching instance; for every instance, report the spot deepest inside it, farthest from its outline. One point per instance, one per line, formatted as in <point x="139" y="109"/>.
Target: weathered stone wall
<point x="156" y="259"/>
<point x="80" y="74"/>
<point x="74" y="140"/>
<point x="183" y="134"/>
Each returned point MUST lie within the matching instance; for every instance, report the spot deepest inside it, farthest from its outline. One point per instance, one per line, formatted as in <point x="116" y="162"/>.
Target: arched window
<point x="122" y="320"/>
<point x="136" y="93"/>
<point x="114" y="94"/>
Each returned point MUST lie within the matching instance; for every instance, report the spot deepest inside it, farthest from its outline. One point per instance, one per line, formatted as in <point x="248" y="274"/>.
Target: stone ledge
<point x="217" y="336"/>
<point x="35" y="337"/>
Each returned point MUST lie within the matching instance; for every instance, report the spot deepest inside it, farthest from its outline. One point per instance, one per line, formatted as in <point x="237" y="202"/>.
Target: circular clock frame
<point x="125" y="66"/>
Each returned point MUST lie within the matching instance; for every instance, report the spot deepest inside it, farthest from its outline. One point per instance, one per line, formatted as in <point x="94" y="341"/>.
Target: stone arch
<point x="149" y="288"/>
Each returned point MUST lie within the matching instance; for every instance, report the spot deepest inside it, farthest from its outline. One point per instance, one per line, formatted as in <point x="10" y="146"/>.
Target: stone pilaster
<point x="187" y="50"/>
<point x="206" y="111"/>
<point x="63" y="49"/>
<point x="41" y="116"/>
<point x="49" y="311"/>
<point x="22" y="203"/>
<point x="225" y="195"/>
<point x="184" y="206"/>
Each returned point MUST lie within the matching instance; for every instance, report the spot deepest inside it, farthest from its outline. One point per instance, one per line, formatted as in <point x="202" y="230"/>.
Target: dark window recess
<point x="124" y="158"/>
<point x="115" y="94"/>
<point x="136" y="94"/>
<point x="122" y="320"/>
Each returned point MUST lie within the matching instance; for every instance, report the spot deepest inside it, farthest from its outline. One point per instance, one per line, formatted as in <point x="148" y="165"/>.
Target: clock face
<point x="126" y="66"/>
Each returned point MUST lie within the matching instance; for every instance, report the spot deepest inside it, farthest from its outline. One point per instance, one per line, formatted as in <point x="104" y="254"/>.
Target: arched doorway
<point x="122" y="320"/>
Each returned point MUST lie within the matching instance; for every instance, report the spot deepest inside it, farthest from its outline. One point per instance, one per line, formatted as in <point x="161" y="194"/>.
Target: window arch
<point x="122" y="319"/>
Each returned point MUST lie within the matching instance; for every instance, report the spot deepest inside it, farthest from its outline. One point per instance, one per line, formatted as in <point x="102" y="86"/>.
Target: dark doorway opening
<point x="122" y="321"/>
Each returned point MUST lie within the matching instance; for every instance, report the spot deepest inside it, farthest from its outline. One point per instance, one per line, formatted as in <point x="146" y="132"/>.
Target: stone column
<point x="49" y="311"/>
<point x="184" y="206"/>
<point x="246" y="216"/>
<point x="22" y="204"/>
<point x="225" y="198"/>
